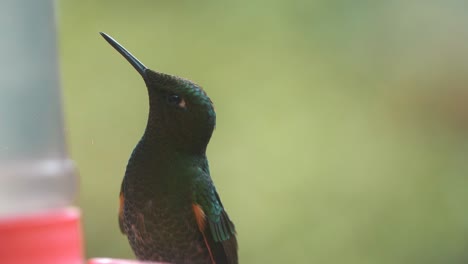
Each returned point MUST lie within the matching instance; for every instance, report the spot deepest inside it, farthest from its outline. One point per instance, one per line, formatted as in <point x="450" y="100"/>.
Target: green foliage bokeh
<point x="342" y="126"/>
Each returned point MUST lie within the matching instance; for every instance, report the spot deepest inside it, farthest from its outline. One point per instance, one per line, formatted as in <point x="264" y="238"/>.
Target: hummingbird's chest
<point x="159" y="220"/>
<point x="158" y="230"/>
<point x="163" y="228"/>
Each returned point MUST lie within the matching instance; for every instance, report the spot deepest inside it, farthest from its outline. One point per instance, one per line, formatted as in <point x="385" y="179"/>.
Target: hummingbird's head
<point x="181" y="114"/>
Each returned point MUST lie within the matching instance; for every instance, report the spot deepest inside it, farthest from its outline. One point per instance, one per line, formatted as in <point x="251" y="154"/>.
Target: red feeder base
<point x="52" y="237"/>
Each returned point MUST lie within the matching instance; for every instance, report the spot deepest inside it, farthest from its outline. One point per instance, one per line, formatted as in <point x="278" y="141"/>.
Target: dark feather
<point x="220" y="234"/>
<point x="224" y="252"/>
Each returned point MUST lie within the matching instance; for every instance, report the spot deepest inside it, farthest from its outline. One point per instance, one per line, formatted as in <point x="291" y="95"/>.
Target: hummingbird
<point x="169" y="209"/>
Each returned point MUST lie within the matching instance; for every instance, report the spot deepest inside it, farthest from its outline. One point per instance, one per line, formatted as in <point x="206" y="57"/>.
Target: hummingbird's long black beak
<point x="127" y="55"/>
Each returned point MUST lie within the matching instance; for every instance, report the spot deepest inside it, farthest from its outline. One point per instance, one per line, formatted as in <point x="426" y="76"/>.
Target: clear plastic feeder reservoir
<point x="37" y="181"/>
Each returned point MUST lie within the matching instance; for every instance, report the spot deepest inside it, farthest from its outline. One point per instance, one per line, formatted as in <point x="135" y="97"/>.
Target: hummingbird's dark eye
<point x="174" y="99"/>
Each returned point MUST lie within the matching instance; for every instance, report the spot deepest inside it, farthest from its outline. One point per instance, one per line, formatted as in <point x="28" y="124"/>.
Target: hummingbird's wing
<point x="214" y="223"/>
<point x="121" y="209"/>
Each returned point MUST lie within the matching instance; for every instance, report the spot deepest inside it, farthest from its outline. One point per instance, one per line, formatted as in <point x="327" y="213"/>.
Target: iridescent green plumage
<point x="170" y="209"/>
<point x="206" y="196"/>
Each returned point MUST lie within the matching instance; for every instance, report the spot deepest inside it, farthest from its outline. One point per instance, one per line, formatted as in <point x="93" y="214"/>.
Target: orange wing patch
<point x="199" y="216"/>
<point x="121" y="212"/>
<point x="201" y="222"/>
<point x="121" y="204"/>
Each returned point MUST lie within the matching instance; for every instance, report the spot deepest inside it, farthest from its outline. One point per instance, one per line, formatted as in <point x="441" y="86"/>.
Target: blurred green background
<point x="342" y="132"/>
